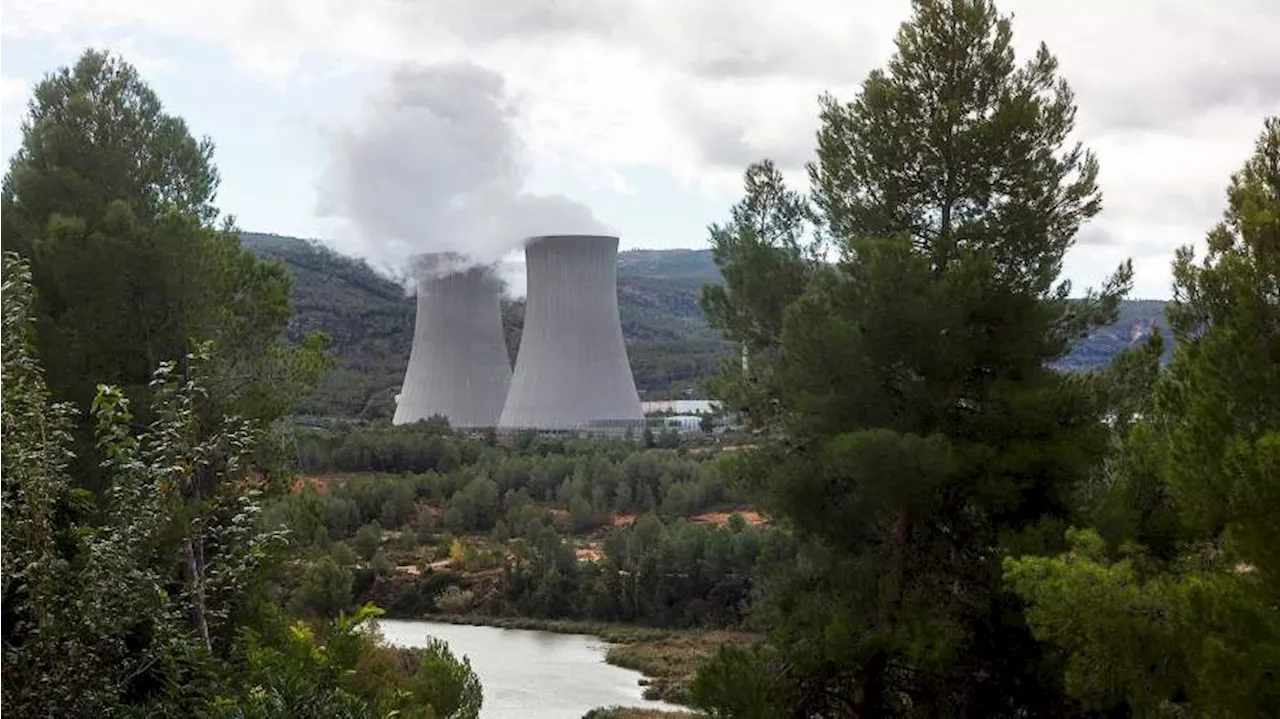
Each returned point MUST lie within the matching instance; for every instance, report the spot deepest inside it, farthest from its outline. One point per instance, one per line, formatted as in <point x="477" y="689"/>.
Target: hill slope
<point x="672" y="350"/>
<point x="370" y="320"/>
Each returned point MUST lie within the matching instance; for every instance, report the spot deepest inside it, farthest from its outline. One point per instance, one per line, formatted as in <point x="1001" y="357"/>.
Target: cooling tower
<point x="572" y="368"/>
<point x="458" y="366"/>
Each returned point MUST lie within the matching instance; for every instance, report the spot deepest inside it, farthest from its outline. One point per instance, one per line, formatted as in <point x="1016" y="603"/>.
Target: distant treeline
<point x="606" y="475"/>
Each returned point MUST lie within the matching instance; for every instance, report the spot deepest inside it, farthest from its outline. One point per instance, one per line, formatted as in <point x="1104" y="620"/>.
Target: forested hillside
<point x="370" y="320"/>
<point x="672" y="349"/>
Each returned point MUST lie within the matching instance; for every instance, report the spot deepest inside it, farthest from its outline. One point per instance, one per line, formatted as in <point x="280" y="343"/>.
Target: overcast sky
<point x="637" y="115"/>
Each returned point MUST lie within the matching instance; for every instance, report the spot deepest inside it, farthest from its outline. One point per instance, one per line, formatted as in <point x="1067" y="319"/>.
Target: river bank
<point x="668" y="658"/>
<point x="634" y="713"/>
<point x="530" y="674"/>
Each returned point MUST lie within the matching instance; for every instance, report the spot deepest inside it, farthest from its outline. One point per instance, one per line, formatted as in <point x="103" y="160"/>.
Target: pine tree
<point x="767" y="259"/>
<point x="922" y="433"/>
<point x="1191" y="627"/>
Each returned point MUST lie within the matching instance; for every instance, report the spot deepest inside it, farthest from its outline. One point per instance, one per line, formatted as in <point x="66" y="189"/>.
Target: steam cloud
<point x="434" y="165"/>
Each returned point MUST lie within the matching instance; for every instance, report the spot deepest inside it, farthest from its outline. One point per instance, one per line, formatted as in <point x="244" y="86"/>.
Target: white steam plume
<point x="434" y="164"/>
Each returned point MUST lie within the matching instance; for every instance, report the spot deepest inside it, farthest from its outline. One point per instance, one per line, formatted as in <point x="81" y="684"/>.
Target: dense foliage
<point x="137" y="573"/>
<point x="547" y="527"/>
<point x="109" y="200"/>
<point x="1170" y="606"/>
<point x="915" y="429"/>
<point x="159" y="605"/>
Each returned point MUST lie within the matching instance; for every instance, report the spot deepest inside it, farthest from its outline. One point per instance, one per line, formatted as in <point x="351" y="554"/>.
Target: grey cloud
<point x="1234" y="64"/>
<point x="1153" y="66"/>
<point x="738" y="46"/>
<point x="743" y="61"/>
<point x="1158" y="243"/>
<point x="1198" y="205"/>
<point x="435" y="165"/>
<point x="711" y="39"/>
<point x="1099" y="237"/>
<point x="1096" y="235"/>
<point x="1136" y="240"/>
<point x="723" y="141"/>
<point x="789" y="155"/>
<point x="1247" y="90"/>
<point x="488" y="22"/>
<point x="1174" y="67"/>
<point x="1161" y="66"/>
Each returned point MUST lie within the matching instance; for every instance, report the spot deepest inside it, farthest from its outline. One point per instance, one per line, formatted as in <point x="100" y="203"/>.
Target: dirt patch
<point x="316" y="483"/>
<point x="557" y="515"/>
<point x="720" y="519"/>
<point x="719" y="448"/>
<point x="588" y="554"/>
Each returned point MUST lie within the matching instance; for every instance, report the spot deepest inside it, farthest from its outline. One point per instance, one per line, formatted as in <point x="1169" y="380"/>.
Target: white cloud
<point x="14" y="93"/>
<point x="1171" y="92"/>
<point x="126" y="45"/>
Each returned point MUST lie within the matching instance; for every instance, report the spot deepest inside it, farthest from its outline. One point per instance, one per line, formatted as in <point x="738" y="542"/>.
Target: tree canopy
<point x="109" y="199"/>
<point x="916" y="431"/>
<point x="1178" y="613"/>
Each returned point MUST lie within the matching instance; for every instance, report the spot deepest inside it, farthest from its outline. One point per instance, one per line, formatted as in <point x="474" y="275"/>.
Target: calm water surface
<point x="531" y="675"/>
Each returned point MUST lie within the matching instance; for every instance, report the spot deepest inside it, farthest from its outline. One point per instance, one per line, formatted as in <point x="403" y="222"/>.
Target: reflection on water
<point x="531" y="675"/>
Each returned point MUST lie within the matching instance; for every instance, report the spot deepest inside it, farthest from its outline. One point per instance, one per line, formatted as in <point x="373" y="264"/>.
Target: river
<point x="528" y="674"/>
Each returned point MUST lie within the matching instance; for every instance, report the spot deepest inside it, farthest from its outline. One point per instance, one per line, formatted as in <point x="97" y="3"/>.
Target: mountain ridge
<point x="672" y="349"/>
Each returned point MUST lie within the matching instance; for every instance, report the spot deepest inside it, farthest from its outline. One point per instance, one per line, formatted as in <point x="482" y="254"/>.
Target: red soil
<point x="720" y="519"/>
<point x="317" y="483"/>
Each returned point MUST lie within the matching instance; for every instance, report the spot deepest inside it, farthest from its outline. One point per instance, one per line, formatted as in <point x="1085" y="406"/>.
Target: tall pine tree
<point x="922" y="434"/>
<point x="1190" y="627"/>
<point x="767" y="258"/>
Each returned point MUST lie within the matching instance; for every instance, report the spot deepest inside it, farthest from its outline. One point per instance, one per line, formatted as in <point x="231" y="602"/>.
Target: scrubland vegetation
<point x="931" y="518"/>
<point x="600" y="531"/>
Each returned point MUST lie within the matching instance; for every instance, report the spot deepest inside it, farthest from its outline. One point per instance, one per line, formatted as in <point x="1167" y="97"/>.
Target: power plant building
<point x="458" y="366"/>
<point x="572" y="371"/>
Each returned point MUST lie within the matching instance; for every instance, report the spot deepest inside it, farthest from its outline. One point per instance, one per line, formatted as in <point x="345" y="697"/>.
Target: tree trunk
<point x="871" y="700"/>
<point x="195" y="580"/>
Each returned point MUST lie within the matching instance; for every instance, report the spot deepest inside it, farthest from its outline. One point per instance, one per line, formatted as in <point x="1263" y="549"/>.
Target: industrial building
<point x="458" y="366"/>
<point x="680" y="406"/>
<point x="689" y="425"/>
<point x="572" y="372"/>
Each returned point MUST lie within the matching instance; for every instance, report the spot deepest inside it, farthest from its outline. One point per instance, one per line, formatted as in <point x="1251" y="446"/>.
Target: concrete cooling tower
<point x="572" y="370"/>
<point x="458" y="366"/>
